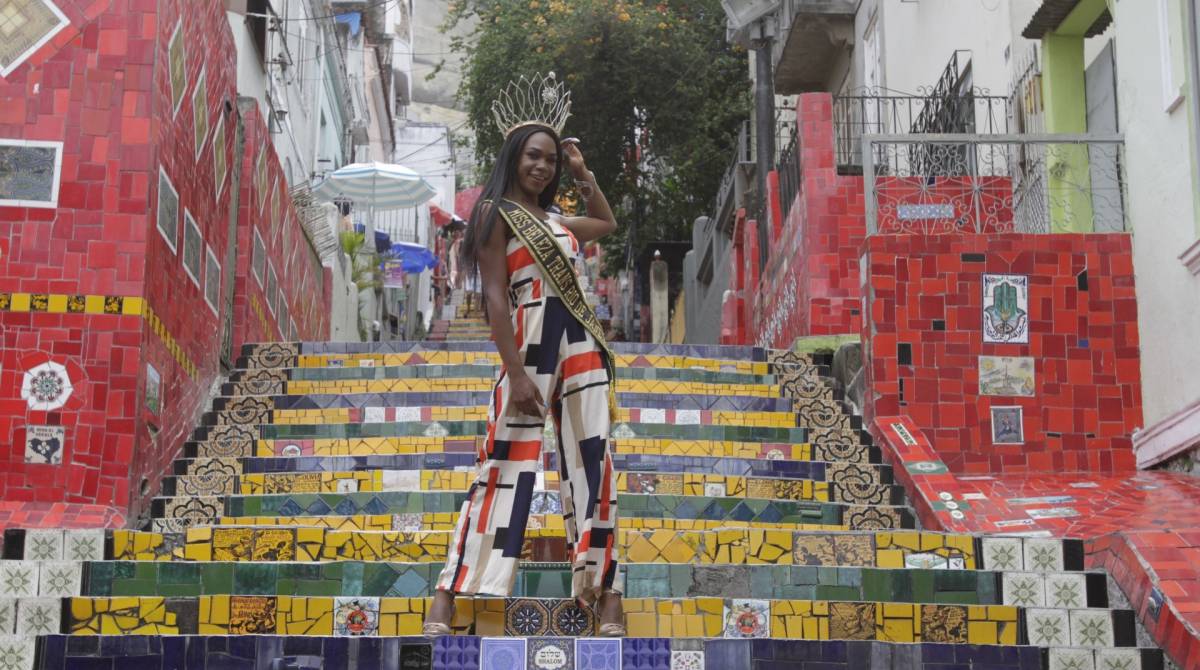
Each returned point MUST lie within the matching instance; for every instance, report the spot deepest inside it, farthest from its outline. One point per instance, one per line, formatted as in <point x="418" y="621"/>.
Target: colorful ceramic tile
<point x="44" y="444"/>
<point x="1003" y="553"/>
<point x="46" y="387"/>
<point x="1048" y="627"/>
<point x="687" y="660"/>
<point x="355" y="616"/>
<point x="597" y="653"/>
<point x="60" y="579"/>
<point x="1006" y="376"/>
<point x="551" y="653"/>
<point x="17" y="652"/>
<point x="1066" y="590"/>
<point x="1118" y="659"/>
<point x="1043" y="555"/>
<point x="18" y="579"/>
<point x="747" y="618"/>
<point x="526" y="617"/>
<point x="1025" y="589"/>
<point x="1005" y="309"/>
<point x="1091" y="628"/>
<point x="1071" y="658"/>
<point x="1007" y="425"/>
<point x="43" y="544"/>
<point x="39" y="616"/>
<point x="502" y="653"/>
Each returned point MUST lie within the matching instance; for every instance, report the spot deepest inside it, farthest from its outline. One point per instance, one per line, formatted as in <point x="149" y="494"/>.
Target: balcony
<point x="813" y="33"/>
<point x="985" y="184"/>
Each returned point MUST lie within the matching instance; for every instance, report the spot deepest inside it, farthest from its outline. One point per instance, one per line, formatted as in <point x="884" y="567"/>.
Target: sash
<point x="537" y="237"/>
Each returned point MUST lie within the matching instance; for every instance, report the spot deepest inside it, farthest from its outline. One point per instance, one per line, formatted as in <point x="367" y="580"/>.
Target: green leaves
<point x="657" y="95"/>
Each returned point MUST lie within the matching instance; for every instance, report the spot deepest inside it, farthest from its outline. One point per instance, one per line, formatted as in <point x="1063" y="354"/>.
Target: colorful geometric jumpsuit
<point x="566" y="365"/>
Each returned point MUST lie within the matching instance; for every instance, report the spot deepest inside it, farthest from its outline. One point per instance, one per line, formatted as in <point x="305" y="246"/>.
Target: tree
<point x="658" y="96"/>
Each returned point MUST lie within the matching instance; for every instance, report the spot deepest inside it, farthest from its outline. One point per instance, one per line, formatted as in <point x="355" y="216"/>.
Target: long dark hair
<point x="498" y="184"/>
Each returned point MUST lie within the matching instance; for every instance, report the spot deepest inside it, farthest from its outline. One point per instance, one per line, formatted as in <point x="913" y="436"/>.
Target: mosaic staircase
<point x="307" y="518"/>
<point x="461" y="321"/>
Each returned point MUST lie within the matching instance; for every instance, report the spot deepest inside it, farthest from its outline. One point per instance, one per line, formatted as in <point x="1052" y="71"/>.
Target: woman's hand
<point x="575" y="164"/>
<point x="525" y="396"/>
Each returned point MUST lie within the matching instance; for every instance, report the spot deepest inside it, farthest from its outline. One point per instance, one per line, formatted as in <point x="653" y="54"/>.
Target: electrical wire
<point x="369" y="5"/>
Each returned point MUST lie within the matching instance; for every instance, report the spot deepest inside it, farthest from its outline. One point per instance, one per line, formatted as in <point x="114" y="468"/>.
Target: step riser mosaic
<point x="662" y="506"/>
<point x="475" y="653"/>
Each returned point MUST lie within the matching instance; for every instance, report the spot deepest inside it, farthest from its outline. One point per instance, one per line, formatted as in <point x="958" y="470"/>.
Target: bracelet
<point x="586" y="187"/>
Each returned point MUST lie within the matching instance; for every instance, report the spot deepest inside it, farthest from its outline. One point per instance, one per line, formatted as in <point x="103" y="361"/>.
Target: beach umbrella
<point x="375" y="186"/>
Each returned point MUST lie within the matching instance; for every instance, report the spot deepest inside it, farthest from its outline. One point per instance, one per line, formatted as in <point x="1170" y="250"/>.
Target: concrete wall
<point x="703" y="305"/>
<point x="1162" y="213"/>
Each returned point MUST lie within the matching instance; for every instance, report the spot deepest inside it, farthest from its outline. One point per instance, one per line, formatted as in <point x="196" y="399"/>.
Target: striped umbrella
<point x="378" y="186"/>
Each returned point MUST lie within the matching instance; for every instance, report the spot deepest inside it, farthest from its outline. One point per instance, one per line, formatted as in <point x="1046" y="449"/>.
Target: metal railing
<point x="789" y="176"/>
<point x="857" y="115"/>
<point x="971" y="183"/>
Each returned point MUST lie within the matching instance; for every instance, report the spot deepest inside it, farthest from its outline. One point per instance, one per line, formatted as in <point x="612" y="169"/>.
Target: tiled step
<point x="641" y="463"/>
<point x="551" y="580"/>
<point x="475" y="653"/>
<point x="645" y="617"/>
<point x="864" y="485"/>
<point x="493" y="358"/>
<point x="480" y="399"/>
<point x="446" y="521"/>
<point x="724" y="546"/>
<point x="230" y="441"/>
<point x="853" y="517"/>
<point x="281" y="350"/>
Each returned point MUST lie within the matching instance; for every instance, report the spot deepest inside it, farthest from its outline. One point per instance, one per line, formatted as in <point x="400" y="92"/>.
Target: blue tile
<point x="646" y="653"/>
<point x="502" y="653"/>
<point x="597" y="654"/>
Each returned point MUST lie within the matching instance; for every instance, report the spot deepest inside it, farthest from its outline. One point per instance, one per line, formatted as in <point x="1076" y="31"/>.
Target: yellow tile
<point x="889" y="558"/>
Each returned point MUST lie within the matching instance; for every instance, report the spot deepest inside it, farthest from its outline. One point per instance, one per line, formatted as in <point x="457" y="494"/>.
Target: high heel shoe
<point x="611" y="629"/>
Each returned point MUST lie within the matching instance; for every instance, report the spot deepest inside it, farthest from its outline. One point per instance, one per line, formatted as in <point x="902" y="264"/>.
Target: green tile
<point x="217" y="578"/>
<point x="255" y="579"/>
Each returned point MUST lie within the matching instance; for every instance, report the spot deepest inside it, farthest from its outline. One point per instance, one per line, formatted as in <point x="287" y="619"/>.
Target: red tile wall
<point x="1084" y="343"/>
<point x="307" y="288"/>
<point x="810" y="283"/>
<point x="102" y="87"/>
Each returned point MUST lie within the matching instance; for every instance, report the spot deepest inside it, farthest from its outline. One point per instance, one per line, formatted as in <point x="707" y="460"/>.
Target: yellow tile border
<point x="95" y="305"/>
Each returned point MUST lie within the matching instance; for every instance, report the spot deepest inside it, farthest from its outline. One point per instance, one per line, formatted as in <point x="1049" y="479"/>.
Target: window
<point x="219" y="159"/>
<point x="200" y="113"/>
<point x="258" y="258"/>
<point x="167" y="218"/>
<point x="1170" y="41"/>
<point x="271" y="290"/>
<point x="29" y="173"/>
<point x="193" y="247"/>
<point x="256" y="23"/>
<point x="177" y="57"/>
<point x="212" y="279"/>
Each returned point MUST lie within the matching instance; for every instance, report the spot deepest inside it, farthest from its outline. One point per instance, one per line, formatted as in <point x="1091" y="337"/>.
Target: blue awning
<point x="383" y="241"/>
<point x="413" y="257"/>
<point x="352" y="19"/>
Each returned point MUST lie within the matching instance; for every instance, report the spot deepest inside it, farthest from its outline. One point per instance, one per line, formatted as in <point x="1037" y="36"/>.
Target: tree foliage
<point x="658" y="97"/>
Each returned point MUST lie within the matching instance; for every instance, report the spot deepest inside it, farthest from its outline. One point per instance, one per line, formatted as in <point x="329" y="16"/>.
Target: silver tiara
<point x="540" y="100"/>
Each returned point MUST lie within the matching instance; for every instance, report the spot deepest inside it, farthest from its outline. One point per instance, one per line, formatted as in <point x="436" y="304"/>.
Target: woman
<point x="550" y="350"/>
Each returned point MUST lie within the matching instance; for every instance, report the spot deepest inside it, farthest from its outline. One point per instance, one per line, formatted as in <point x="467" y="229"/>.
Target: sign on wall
<point x="1006" y="309"/>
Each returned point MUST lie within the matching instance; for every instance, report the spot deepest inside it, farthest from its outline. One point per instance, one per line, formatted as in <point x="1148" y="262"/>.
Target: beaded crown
<point x="539" y="100"/>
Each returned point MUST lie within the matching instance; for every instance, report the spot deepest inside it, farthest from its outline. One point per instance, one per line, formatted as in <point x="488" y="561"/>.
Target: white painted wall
<point x="1161" y="209"/>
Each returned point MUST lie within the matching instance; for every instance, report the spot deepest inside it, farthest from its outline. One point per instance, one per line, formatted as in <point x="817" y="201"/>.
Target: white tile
<point x="8" y="616"/>
<point x="60" y="579"/>
<point x="406" y="414"/>
<point x="1118" y="659"/>
<point x="687" y="417"/>
<point x="39" y="616"/>
<point x="1091" y="628"/>
<point x="1002" y="554"/>
<point x="1043" y="555"/>
<point x="714" y="489"/>
<point x="1066" y="589"/>
<point x="43" y="544"/>
<point x="374" y="415"/>
<point x="16" y="652"/>
<point x="1070" y="658"/>
<point x="926" y="561"/>
<point x="1024" y="589"/>
<point x="401" y="480"/>
<point x="1048" y="627"/>
<point x="18" y="579"/>
<point x="652" y="415"/>
<point x="83" y="544"/>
